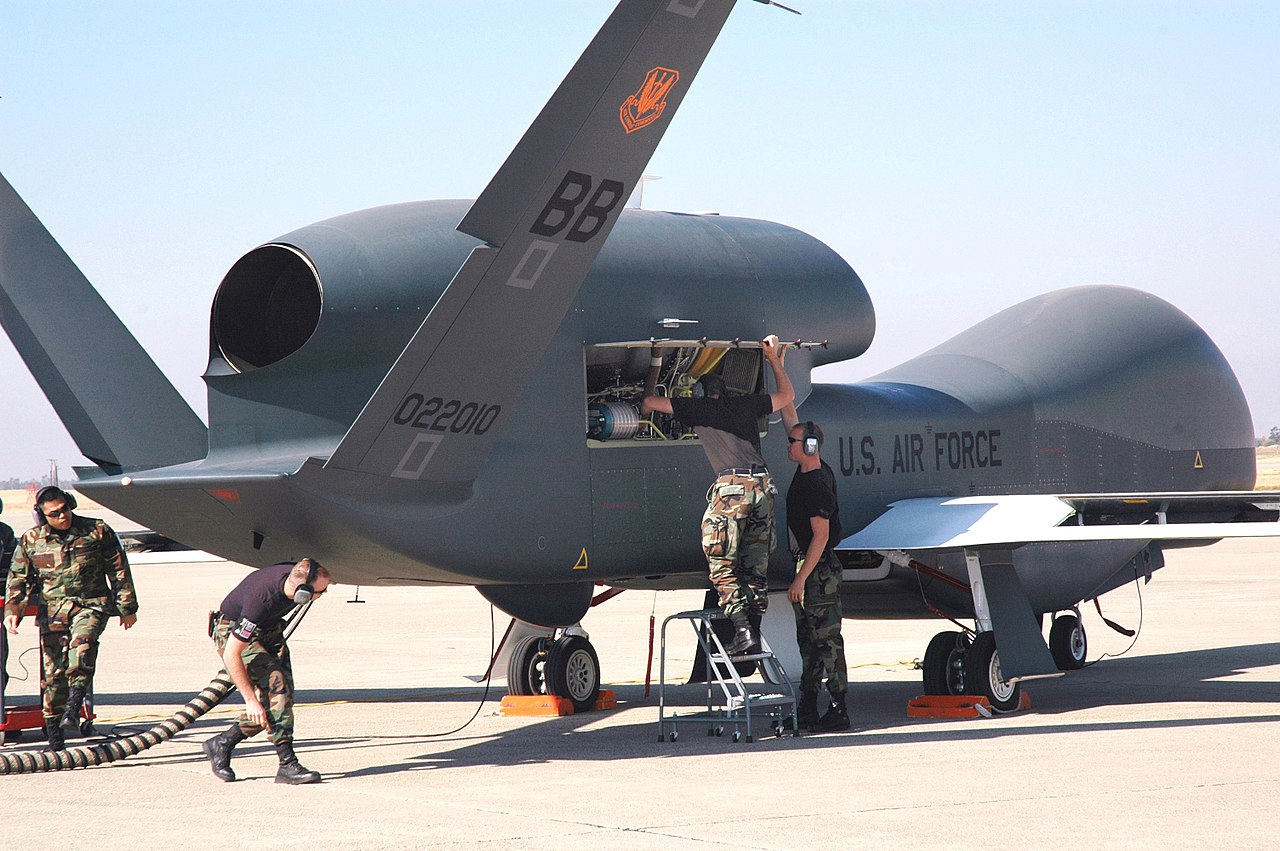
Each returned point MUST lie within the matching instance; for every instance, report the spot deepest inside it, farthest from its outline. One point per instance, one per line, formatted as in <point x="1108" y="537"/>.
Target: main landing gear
<point x="956" y="664"/>
<point x="564" y="666"/>
<point x="961" y="663"/>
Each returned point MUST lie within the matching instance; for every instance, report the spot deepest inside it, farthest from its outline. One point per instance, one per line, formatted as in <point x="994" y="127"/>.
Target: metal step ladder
<point x="731" y="701"/>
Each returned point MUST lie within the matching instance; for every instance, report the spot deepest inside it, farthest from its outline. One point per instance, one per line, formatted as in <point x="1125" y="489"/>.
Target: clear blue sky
<point x="962" y="156"/>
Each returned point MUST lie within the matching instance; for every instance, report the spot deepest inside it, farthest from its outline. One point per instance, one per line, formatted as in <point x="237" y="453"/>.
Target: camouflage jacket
<point x="83" y="567"/>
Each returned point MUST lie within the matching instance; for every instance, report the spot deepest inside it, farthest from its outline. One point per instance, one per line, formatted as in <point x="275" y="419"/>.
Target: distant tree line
<point x="1271" y="439"/>
<point x="24" y="484"/>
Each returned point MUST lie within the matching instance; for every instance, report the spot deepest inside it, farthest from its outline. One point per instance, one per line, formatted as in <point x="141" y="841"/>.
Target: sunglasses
<point x="57" y="512"/>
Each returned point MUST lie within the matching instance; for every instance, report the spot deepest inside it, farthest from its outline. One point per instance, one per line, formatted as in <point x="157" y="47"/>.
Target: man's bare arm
<point x="785" y="394"/>
<point x="661" y="404"/>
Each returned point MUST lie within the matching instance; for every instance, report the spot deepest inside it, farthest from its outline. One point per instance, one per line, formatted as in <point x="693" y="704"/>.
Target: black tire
<point x="1068" y="644"/>
<point x="526" y="666"/>
<point x="983" y="677"/>
<point x="573" y="671"/>
<point x="944" y="663"/>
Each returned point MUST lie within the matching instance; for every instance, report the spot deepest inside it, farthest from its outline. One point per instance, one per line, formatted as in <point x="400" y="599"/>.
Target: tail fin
<point x="118" y="406"/>
<point x="544" y="216"/>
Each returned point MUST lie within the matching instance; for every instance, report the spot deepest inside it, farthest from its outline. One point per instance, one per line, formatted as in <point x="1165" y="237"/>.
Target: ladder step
<point x="762" y="700"/>
<point x="746" y="657"/>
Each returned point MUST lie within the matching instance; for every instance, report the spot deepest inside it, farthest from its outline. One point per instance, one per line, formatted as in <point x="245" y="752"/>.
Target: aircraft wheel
<point x="944" y="663"/>
<point x="573" y="671"/>
<point x="527" y="665"/>
<point x="1067" y="643"/>
<point x="983" y="675"/>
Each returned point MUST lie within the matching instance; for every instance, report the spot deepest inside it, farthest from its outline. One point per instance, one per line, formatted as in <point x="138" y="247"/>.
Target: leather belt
<point x="754" y="470"/>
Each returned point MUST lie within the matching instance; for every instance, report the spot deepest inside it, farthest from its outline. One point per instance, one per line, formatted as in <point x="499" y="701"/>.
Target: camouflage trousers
<point x="737" y="537"/>
<point x="818" y="632"/>
<point x="266" y="659"/>
<point x="70" y="655"/>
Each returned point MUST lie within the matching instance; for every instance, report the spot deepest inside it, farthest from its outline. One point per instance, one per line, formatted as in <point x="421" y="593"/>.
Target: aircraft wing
<point x="974" y="522"/>
<point x="544" y="217"/>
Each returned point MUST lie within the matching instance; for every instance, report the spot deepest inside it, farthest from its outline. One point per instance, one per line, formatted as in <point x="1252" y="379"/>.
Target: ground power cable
<point x="87" y="756"/>
<point x="30" y="762"/>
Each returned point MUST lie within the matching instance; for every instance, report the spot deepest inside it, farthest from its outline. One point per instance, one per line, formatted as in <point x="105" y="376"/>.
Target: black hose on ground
<point x="30" y="762"/>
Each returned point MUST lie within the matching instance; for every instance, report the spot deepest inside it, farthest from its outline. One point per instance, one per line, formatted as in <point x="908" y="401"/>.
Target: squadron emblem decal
<point x="646" y="105"/>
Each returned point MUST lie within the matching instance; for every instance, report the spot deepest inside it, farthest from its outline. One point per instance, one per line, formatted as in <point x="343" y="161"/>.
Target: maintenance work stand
<point x="731" y="701"/>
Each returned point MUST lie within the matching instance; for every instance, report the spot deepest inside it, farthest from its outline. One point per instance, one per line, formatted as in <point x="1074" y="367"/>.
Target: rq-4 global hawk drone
<point x="446" y="393"/>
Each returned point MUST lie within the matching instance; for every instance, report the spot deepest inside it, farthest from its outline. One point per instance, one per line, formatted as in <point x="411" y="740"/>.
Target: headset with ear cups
<point x="49" y="493"/>
<point x="812" y="438"/>
<point x="305" y="591"/>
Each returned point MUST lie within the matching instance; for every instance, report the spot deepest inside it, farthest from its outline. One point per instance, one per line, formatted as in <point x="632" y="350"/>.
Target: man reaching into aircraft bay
<point x="738" y="526"/>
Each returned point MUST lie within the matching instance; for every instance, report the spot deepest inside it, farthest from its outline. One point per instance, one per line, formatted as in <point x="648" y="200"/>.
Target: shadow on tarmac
<point x="878" y="710"/>
<point x="879" y="714"/>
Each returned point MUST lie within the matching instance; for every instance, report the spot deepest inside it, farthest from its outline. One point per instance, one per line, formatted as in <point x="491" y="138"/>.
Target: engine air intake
<point x="266" y="307"/>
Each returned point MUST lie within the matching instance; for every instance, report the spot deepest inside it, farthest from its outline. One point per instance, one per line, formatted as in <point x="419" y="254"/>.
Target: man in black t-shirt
<point x="737" y="527"/>
<point x="248" y="631"/>
<point x="813" y="520"/>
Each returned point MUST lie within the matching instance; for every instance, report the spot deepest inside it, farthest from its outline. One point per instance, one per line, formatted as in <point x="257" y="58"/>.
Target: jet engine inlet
<point x="266" y="307"/>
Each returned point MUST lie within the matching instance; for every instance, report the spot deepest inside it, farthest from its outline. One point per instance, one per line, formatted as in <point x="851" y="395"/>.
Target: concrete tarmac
<point x="1171" y="745"/>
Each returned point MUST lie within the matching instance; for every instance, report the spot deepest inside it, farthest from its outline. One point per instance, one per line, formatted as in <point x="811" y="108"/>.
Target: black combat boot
<point x="218" y="749"/>
<point x="291" y="771"/>
<point x="71" y="718"/>
<point x="807" y="711"/>
<point x="745" y="639"/>
<point x="53" y="732"/>
<point x="835" y="718"/>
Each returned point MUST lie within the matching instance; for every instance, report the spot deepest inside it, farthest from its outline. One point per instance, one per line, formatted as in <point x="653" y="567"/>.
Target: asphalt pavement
<point x="1169" y="743"/>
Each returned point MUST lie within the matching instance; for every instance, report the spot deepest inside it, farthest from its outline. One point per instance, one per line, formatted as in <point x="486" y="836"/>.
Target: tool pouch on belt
<point x="214" y="617"/>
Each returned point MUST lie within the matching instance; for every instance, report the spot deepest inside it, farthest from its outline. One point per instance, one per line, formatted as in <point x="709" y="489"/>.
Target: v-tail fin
<point x="545" y="215"/>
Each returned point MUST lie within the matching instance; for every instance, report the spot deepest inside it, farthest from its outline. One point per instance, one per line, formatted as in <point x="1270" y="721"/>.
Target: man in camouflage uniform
<point x="737" y="527"/>
<point x="248" y="631"/>
<point x="813" y="520"/>
<point x="77" y="569"/>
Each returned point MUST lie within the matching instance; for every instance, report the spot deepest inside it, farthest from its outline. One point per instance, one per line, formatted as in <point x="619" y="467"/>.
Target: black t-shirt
<point x="813" y="494"/>
<point x="258" y="602"/>
<point x="736" y="418"/>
